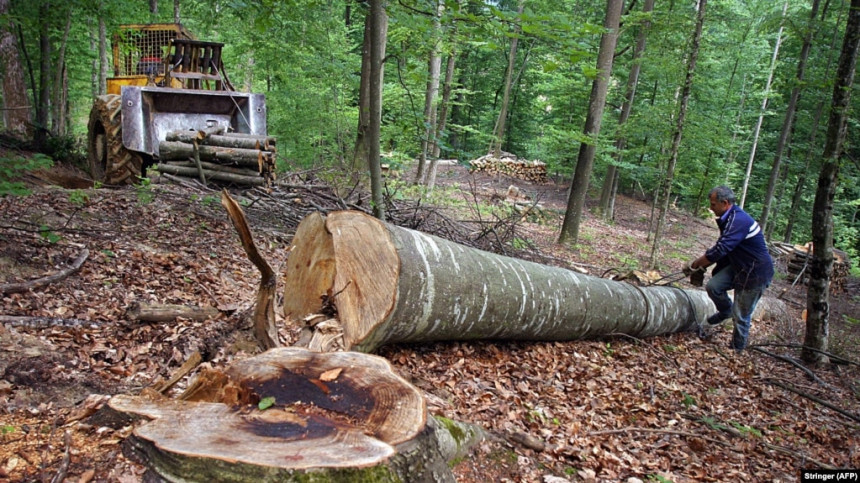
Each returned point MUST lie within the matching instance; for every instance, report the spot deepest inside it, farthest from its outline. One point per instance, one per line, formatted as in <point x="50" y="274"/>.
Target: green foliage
<point x="79" y="197"/>
<point x="144" y="191"/>
<point x="688" y="400"/>
<point x="48" y="235"/>
<point x="746" y="429"/>
<point x="13" y="167"/>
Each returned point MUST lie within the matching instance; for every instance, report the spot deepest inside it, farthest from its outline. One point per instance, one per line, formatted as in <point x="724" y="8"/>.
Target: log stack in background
<point x="230" y="158"/>
<point x="797" y="258"/>
<point x="510" y="165"/>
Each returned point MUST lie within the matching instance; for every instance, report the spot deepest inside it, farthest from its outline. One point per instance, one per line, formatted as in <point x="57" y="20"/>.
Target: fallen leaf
<point x="331" y="374"/>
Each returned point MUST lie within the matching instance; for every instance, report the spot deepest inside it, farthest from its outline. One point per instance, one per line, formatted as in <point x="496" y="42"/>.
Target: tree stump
<point x="341" y="416"/>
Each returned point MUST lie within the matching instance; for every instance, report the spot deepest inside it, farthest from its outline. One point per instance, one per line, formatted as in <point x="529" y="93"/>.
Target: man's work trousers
<point x="740" y="310"/>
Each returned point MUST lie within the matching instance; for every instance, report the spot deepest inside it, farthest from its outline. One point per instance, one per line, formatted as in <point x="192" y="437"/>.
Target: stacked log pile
<point x="213" y="155"/>
<point x="510" y="165"/>
<point x="797" y="258"/>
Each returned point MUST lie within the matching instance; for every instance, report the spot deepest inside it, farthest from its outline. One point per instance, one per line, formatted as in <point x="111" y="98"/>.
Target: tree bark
<point x="596" y="103"/>
<point x="44" y="98"/>
<point x="763" y="110"/>
<point x="788" y="122"/>
<point x="499" y="131"/>
<point x="360" y="150"/>
<point x="821" y="265"/>
<point x="59" y="104"/>
<point x="103" y="57"/>
<point x="378" y="35"/>
<point x="813" y="134"/>
<point x="16" y="105"/>
<point x="212" y="175"/>
<point x="334" y="417"/>
<point x="610" y="183"/>
<point x="389" y="284"/>
<point x="679" y="129"/>
<point x="264" y="310"/>
<point x="169" y="312"/>
<point x="434" y="66"/>
<point x="176" y="150"/>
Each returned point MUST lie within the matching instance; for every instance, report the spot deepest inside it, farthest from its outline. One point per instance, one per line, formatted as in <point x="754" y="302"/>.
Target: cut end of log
<point x="343" y="265"/>
<point x="287" y="410"/>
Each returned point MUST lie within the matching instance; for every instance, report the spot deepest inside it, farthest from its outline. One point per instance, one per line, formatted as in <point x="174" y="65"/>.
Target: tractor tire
<point x="109" y="161"/>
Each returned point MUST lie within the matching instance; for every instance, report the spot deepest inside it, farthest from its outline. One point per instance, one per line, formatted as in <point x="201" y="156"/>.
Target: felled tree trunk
<point x="387" y="284"/>
<point x="292" y="415"/>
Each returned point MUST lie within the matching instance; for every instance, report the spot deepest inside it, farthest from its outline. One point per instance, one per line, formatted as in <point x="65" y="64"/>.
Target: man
<point x="743" y="264"/>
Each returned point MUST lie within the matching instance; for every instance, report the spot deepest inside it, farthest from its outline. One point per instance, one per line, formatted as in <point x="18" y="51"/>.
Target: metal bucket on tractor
<point x="163" y="80"/>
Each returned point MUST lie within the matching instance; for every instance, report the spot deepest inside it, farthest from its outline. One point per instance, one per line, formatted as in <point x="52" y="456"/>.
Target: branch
<point x="833" y="357"/>
<point x="814" y="398"/>
<point x="796" y="364"/>
<point x="10" y="288"/>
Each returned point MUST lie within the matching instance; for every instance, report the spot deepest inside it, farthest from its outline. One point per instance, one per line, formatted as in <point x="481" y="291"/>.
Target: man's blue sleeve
<point x="734" y="233"/>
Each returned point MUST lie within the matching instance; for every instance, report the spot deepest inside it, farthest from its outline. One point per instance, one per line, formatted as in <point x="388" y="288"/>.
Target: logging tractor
<point x="165" y="82"/>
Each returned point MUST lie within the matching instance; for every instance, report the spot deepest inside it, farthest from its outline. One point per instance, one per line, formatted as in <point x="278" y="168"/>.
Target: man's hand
<point x="697" y="278"/>
<point x="696" y="273"/>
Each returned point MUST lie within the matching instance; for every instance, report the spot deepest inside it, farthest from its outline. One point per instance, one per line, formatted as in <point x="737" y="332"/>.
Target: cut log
<point x="167" y="312"/>
<point x="341" y="416"/>
<point x="173" y="150"/>
<point x="233" y="141"/>
<point x="212" y="175"/>
<point x="215" y="167"/>
<point x="389" y="284"/>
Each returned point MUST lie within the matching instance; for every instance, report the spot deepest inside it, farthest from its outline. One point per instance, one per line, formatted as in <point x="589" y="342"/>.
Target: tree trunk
<point x="44" y="98"/>
<point x="813" y="134"/>
<point x="499" y="131"/>
<point x="441" y="120"/>
<point x="821" y="265"/>
<point x="446" y="101"/>
<point x="679" y="129"/>
<point x="388" y="284"/>
<point x="763" y="110"/>
<point x="610" y="183"/>
<point x="360" y="150"/>
<point x="59" y="104"/>
<point x="378" y="35"/>
<point x="788" y="122"/>
<point x="103" y="57"/>
<point x="16" y="105"/>
<point x="434" y="66"/>
<point x="596" y="103"/>
<point x="291" y="415"/>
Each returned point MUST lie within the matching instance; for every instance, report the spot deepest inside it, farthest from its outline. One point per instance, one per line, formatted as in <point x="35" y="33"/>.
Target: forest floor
<point x="671" y="408"/>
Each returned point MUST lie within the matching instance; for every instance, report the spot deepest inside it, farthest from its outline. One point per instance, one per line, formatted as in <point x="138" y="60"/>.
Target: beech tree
<point x="16" y="105"/>
<point x="610" y="182"/>
<point x="378" y="29"/>
<point x="821" y="265"/>
<point x="597" y="101"/>
<point x="679" y="129"/>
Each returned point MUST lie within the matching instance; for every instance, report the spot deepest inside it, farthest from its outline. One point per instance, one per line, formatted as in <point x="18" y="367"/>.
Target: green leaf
<point x="266" y="403"/>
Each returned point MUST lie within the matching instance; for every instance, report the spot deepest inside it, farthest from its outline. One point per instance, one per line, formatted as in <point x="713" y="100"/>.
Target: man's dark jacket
<point x="741" y="245"/>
